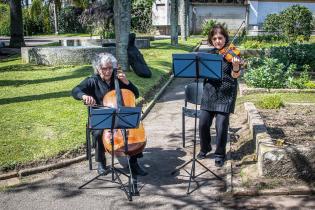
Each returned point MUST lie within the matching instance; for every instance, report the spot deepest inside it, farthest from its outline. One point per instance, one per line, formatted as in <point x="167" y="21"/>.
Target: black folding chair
<point x="190" y="97"/>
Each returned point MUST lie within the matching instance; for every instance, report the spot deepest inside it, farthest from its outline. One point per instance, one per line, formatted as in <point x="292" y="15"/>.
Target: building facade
<point x="231" y="12"/>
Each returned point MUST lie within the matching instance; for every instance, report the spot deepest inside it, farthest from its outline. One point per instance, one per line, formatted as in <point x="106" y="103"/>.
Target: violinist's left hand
<point x="122" y="76"/>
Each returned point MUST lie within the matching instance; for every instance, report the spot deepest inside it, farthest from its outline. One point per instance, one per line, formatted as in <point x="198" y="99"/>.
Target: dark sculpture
<point x="136" y="59"/>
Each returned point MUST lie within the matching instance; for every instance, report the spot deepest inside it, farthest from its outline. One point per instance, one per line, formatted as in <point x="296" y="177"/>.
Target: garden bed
<point x="245" y="176"/>
<point x="295" y="124"/>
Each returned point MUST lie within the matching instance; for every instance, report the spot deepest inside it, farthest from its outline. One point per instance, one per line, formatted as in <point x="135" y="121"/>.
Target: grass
<point x="65" y="35"/>
<point x="284" y="97"/>
<point x="39" y="118"/>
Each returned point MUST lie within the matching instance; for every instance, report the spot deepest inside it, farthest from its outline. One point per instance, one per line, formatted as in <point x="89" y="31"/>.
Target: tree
<point x="99" y="17"/>
<point x="183" y="19"/>
<point x="122" y="19"/>
<point x="174" y="22"/>
<point x="297" y="22"/>
<point x="16" y="27"/>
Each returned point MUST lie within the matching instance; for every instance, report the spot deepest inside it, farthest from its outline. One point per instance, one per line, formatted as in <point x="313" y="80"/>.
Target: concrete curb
<point x="228" y="168"/>
<point x="274" y="192"/>
<point x="30" y="171"/>
<point x="9" y="175"/>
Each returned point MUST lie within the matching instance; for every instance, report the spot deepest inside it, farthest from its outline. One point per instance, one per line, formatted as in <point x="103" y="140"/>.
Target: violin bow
<point x="238" y="30"/>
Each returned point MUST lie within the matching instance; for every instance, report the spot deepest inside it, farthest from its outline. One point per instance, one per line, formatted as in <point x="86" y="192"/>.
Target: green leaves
<point x="271" y="73"/>
<point x="208" y="25"/>
<point x="295" y="22"/>
<point x="273" y="101"/>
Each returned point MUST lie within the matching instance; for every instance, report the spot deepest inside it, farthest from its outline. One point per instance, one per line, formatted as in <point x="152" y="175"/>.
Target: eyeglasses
<point x="110" y="68"/>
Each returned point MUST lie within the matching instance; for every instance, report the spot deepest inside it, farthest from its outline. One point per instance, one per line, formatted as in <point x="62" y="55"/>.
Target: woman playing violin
<point x="218" y="99"/>
<point x="92" y="91"/>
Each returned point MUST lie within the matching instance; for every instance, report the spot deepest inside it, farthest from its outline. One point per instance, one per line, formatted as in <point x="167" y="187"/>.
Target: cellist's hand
<point x="122" y="76"/>
<point x="88" y="100"/>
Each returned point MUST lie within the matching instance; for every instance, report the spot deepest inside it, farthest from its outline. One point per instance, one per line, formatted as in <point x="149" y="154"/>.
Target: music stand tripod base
<point x="101" y="118"/>
<point x="196" y="65"/>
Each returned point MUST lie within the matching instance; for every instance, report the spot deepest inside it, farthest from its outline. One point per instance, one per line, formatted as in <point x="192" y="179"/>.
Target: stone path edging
<point x="264" y="145"/>
<point x="259" y="131"/>
<point x="302" y="191"/>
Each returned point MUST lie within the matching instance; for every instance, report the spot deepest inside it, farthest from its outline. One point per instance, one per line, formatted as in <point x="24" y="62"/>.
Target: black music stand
<point x="102" y="117"/>
<point x="197" y="65"/>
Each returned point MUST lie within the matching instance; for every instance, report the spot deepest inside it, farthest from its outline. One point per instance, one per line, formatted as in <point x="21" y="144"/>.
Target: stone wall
<point x="62" y="55"/>
<point x="143" y="42"/>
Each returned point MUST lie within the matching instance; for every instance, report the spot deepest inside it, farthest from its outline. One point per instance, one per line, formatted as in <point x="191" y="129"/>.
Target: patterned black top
<point x="220" y="95"/>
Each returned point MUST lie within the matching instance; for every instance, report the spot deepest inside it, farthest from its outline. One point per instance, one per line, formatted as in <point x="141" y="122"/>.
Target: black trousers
<point x="100" y="149"/>
<point x="221" y="126"/>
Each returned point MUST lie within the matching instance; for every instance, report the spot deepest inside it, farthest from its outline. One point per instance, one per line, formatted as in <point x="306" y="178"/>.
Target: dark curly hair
<point x="218" y="28"/>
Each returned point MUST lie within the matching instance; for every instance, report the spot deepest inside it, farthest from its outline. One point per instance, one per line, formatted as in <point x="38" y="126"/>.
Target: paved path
<point x="59" y="189"/>
<point x="159" y="190"/>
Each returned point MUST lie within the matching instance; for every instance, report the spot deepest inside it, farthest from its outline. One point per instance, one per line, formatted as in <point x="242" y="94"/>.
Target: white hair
<point x="101" y="59"/>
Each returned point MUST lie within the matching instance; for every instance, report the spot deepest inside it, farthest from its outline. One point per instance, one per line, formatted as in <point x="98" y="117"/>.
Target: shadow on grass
<point x="35" y="97"/>
<point x="166" y="46"/>
<point x="80" y="72"/>
<point x="27" y="68"/>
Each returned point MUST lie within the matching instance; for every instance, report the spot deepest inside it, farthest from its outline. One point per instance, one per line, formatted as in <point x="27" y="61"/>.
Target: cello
<point x="135" y="137"/>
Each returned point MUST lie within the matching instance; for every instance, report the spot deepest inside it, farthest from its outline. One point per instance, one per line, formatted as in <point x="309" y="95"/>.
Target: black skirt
<point x="220" y="95"/>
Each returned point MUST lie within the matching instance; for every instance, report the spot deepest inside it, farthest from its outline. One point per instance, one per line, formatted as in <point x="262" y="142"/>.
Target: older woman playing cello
<point x="92" y="91"/>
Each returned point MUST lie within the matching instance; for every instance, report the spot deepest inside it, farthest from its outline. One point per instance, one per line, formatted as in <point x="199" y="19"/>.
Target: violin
<point x="231" y="50"/>
<point x="136" y="137"/>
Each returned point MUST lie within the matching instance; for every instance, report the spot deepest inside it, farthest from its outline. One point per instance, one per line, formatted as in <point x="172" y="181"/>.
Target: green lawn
<point x="286" y="98"/>
<point x="39" y="118"/>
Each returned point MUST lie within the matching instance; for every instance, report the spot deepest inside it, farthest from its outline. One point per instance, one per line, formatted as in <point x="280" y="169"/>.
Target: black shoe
<point x="137" y="170"/>
<point x="201" y="155"/>
<point x="101" y="168"/>
<point x="219" y="162"/>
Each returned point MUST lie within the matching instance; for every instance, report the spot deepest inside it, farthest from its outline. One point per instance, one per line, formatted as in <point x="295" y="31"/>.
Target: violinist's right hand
<point x="88" y="100"/>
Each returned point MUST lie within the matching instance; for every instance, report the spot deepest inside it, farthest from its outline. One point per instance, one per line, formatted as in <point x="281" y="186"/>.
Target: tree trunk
<point x="187" y="19"/>
<point x="16" y="27"/>
<point x="55" y="18"/>
<point x="174" y="22"/>
<point x="183" y="19"/>
<point x="122" y="19"/>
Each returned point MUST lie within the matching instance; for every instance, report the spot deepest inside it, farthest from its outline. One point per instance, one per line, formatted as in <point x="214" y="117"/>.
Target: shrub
<point x="36" y="19"/>
<point x="69" y="20"/>
<point x="98" y="18"/>
<point x="141" y="15"/>
<point x="270" y="102"/>
<point x="299" y="54"/>
<point x="268" y="73"/>
<point x="252" y="44"/>
<point x="310" y="85"/>
<point x="272" y="23"/>
<point x="4" y="19"/>
<point x="301" y="81"/>
<point x="297" y="21"/>
<point x="208" y="25"/>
